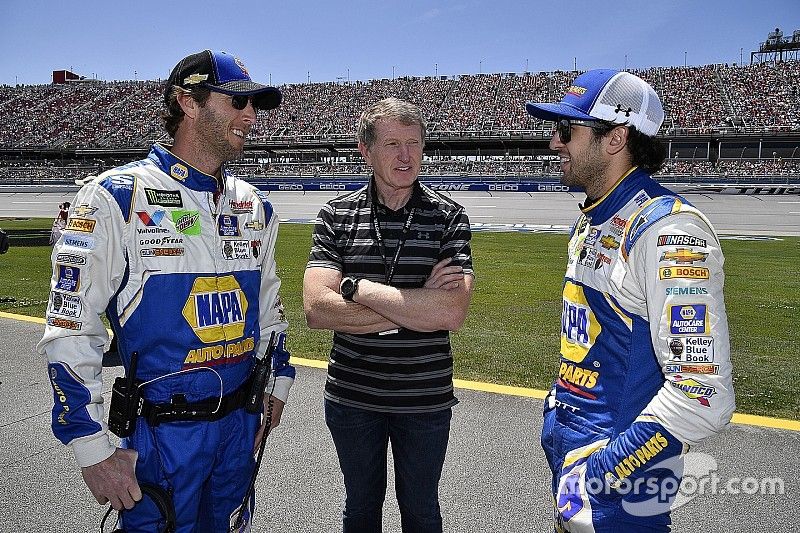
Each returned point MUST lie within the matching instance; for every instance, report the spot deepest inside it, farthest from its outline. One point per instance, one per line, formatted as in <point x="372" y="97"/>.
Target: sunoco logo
<point x="216" y="308"/>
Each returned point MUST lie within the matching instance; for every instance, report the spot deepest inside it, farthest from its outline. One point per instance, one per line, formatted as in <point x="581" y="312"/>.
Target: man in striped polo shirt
<point x="390" y="272"/>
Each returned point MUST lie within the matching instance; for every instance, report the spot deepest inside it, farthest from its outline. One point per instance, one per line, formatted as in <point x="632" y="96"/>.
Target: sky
<point x="298" y="41"/>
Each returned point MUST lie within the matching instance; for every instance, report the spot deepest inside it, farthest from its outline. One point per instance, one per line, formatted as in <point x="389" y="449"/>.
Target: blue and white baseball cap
<point x="609" y="95"/>
<point x="223" y="73"/>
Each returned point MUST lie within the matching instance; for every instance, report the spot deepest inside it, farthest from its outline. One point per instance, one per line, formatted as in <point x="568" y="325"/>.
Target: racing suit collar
<point x="613" y="200"/>
<point x="182" y="171"/>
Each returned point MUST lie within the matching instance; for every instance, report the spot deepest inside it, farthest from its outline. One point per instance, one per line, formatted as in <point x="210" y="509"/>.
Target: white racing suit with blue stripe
<point x="645" y="366"/>
<point x="190" y="284"/>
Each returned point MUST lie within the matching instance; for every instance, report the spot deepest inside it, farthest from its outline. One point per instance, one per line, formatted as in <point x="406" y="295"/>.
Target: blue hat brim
<point x="555" y="112"/>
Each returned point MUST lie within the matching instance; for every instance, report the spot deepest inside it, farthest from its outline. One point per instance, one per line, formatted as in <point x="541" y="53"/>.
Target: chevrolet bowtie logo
<point x="608" y="242"/>
<point x="195" y="78"/>
<point x="684" y="256"/>
<point x="84" y="210"/>
<point x="255" y="225"/>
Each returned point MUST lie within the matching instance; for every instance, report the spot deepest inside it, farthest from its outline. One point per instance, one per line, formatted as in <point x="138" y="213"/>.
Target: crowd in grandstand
<point x="751" y="98"/>
<point x="113" y="115"/>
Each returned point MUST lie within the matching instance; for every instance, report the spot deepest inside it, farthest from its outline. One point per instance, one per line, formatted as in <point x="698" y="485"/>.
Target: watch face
<point x="348" y="288"/>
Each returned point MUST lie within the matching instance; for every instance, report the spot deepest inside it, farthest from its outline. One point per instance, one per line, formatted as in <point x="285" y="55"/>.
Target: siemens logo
<point x="683" y="291"/>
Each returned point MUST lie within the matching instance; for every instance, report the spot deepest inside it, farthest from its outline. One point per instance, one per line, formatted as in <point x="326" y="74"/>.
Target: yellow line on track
<point x="738" y="418"/>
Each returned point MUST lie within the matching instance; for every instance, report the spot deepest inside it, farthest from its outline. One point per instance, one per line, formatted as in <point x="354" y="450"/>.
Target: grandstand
<point x="723" y="121"/>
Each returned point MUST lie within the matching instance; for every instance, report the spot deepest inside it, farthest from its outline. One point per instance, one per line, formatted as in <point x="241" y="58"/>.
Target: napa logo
<point x="579" y="326"/>
<point x="216" y="308"/>
<point x="179" y="172"/>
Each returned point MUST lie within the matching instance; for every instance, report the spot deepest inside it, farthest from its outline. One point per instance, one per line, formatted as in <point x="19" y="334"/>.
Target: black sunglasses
<point x="239" y="101"/>
<point x="564" y="127"/>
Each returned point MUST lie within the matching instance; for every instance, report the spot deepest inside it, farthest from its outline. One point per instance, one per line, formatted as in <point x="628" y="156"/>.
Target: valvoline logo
<point x="216" y="308"/>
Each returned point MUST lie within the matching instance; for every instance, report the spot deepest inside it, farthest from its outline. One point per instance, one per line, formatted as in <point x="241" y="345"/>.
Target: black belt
<point x="205" y="410"/>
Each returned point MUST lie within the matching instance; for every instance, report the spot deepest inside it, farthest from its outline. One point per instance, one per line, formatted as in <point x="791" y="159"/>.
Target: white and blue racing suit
<point x="645" y="367"/>
<point x="186" y="275"/>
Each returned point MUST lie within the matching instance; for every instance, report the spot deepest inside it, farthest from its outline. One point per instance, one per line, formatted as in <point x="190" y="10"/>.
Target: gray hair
<point x="389" y="108"/>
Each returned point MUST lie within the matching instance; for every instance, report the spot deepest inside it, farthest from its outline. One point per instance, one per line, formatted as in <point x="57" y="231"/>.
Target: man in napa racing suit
<point x="180" y="256"/>
<point x="645" y="367"/>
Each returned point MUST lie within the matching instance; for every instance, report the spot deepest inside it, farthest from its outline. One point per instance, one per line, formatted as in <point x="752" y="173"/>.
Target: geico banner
<point x="444" y="186"/>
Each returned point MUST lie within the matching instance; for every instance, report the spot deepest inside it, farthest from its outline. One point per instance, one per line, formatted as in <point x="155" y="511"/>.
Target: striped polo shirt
<point x="408" y="371"/>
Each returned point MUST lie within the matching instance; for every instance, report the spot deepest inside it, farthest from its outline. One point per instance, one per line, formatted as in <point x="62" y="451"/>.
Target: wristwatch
<point x="348" y="288"/>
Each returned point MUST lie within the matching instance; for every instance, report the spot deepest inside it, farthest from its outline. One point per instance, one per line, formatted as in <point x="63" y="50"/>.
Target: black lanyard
<point x="377" y="226"/>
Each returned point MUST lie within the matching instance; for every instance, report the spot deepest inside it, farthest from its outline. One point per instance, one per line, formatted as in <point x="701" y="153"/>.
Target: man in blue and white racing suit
<point x="180" y="257"/>
<point x="645" y="367"/>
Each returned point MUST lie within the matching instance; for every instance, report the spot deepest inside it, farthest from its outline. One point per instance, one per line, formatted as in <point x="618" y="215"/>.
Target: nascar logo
<point x="216" y="309"/>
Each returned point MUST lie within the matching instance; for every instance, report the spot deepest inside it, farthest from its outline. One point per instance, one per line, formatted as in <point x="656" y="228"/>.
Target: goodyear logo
<point x="216" y="308"/>
<point x="579" y="326"/>
<point x="688" y="319"/>
<point x="674" y="272"/>
<point x="683" y="256"/>
<point x="179" y="172"/>
<point x="694" y="390"/>
<point x="81" y="224"/>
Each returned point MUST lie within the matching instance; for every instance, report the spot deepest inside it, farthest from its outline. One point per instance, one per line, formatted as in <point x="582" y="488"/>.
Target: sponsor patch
<point x="245" y="206"/>
<point x="64" y="323"/>
<point x="71" y="259"/>
<point x="166" y="240"/>
<point x="592" y="237"/>
<point x="229" y="226"/>
<point x="186" y="222"/>
<point x="675" y="272"/>
<point x="235" y="250"/>
<point x="164" y="198"/>
<point x="693" y="389"/>
<point x="255" y="225"/>
<point x="577" y="91"/>
<point x="692" y="349"/>
<point x="641" y="198"/>
<point x="602" y="259"/>
<point x="84" y="210"/>
<point x="255" y="246"/>
<point x="577" y="380"/>
<point x="84" y="225"/>
<point x="609" y="243"/>
<point x="151" y="220"/>
<point x="161" y="252"/>
<point x="216" y="308"/>
<point x="65" y="304"/>
<point x="79" y="241"/>
<point x="675" y="368"/>
<point x="69" y="278"/>
<point x="686" y="291"/>
<point x="683" y="256"/>
<point x="688" y="319"/>
<point x="179" y="172"/>
<point x="587" y="256"/>
<point x="617" y="226"/>
<point x="680" y="240"/>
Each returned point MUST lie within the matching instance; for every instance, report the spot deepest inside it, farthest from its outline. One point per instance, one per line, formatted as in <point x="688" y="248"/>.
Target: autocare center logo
<point x="678" y="480"/>
<point x="215" y="310"/>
